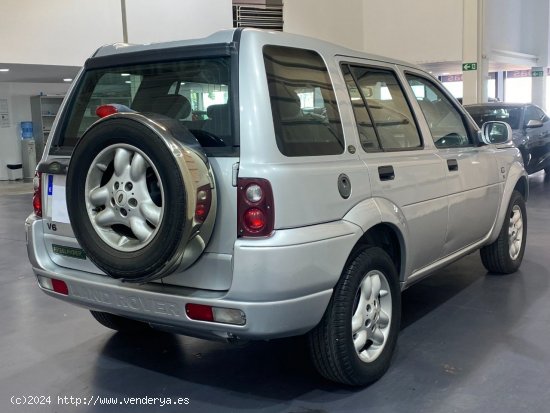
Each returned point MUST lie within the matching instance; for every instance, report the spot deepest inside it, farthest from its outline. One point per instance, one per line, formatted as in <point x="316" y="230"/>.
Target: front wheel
<point x="505" y="254"/>
<point x="354" y="342"/>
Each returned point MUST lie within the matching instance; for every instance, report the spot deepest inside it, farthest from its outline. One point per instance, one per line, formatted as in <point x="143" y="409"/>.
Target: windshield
<point x="510" y="115"/>
<point x="194" y="92"/>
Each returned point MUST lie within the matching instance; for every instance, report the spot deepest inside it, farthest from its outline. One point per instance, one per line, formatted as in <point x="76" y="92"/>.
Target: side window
<point x="365" y="127"/>
<point x="383" y="116"/>
<point x="303" y="103"/>
<point x="445" y="121"/>
<point x="534" y="113"/>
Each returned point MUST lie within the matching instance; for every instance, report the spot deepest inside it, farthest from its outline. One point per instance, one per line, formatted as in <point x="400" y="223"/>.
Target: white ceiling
<point x="454" y="68"/>
<point x="37" y="73"/>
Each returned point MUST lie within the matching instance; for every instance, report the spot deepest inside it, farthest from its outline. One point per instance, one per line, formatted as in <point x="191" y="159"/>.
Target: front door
<point x="471" y="170"/>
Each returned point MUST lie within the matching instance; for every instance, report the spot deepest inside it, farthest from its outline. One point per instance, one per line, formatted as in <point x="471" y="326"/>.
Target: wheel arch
<point x="516" y="180"/>
<point x="384" y="226"/>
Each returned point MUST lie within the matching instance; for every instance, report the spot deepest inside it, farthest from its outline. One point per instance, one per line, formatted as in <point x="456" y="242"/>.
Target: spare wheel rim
<point x="123" y="191"/>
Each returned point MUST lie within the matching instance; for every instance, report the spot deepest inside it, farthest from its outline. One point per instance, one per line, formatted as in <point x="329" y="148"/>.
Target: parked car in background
<point x="530" y="126"/>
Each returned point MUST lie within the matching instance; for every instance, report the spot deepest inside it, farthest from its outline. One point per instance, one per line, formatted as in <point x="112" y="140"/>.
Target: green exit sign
<point x="537" y="73"/>
<point x="469" y="66"/>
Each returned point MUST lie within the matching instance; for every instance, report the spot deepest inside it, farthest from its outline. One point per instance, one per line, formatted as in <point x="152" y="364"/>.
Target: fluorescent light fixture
<point x="128" y="81"/>
<point x="125" y="74"/>
<point x="182" y="83"/>
<point x="445" y="73"/>
<point x="5" y="69"/>
<point x="67" y="80"/>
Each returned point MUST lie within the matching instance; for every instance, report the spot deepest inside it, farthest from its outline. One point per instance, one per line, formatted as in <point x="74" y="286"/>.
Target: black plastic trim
<point x="234" y="96"/>
<point x="158" y="55"/>
<point x="54" y="167"/>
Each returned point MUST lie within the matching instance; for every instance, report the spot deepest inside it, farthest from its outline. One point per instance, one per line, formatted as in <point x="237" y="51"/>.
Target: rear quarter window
<point x="305" y="113"/>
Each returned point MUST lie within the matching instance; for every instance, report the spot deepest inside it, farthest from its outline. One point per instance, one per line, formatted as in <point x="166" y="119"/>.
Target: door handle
<point x="386" y="173"/>
<point x="452" y="164"/>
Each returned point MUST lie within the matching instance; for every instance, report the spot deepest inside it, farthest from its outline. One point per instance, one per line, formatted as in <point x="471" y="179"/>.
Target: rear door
<point x="200" y="93"/>
<point x="403" y="168"/>
<point x="471" y="170"/>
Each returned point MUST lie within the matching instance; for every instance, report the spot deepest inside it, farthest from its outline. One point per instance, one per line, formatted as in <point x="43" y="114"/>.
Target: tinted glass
<point x="534" y="113"/>
<point x="482" y="114"/>
<point x="365" y="127"/>
<point x="444" y="119"/>
<point x="388" y="108"/>
<point x="303" y="104"/>
<point x="194" y="92"/>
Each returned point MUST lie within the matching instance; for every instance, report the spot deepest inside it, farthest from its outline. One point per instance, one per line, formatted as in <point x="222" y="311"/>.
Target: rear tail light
<point x="37" y="196"/>
<point x="204" y="201"/>
<point x="255" y="207"/>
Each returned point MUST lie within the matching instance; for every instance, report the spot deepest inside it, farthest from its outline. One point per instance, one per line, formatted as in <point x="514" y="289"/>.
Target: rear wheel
<point x="504" y="256"/>
<point x="354" y="342"/>
<point x="132" y="193"/>
<point x="118" y="323"/>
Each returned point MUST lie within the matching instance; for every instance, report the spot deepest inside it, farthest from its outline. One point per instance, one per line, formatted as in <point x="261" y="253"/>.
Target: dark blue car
<point x="530" y="125"/>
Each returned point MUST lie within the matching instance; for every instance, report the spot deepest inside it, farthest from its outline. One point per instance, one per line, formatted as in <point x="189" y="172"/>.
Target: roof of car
<point x="227" y="36"/>
<point x="498" y="105"/>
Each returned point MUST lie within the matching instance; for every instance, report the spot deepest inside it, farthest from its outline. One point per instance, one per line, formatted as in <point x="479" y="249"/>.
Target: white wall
<point x="420" y="31"/>
<point x="334" y="21"/>
<point x="164" y="20"/>
<point x="57" y="32"/>
<point x="534" y="29"/>
<point x="503" y="24"/>
<point x="67" y="32"/>
<point x="18" y="96"/>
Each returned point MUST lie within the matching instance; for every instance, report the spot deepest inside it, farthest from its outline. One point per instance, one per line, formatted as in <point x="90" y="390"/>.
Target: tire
<point x="138" y="232"/>
<point x="121" y="324"/>
<point x="499" y="257"/>
<point x="332" y="342"/>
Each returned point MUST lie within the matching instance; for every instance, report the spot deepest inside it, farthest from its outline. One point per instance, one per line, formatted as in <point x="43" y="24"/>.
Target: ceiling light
<point x="4" y="70"/>
<point x="445" y="73"/>
<point x="128" y="81"/>
<point x="67" y="80"/>
<point x="125" y="74"/>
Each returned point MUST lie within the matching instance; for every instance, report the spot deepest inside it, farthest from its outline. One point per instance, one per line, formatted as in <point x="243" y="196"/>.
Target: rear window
<point x="305" y="113"/>
<point x="194" y="92"/>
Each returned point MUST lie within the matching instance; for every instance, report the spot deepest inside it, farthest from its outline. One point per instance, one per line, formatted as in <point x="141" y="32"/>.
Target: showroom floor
<point x="470" y="342"/>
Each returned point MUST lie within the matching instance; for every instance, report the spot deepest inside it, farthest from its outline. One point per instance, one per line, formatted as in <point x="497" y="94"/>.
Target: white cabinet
<point x="44" y="109"/>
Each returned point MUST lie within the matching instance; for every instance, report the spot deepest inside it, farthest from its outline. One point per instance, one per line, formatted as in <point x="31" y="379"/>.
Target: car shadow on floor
<point x="275" y="370"/>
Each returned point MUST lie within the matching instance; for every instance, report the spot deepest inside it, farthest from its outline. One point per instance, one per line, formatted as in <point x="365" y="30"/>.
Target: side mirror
<point x="533" y="123"/>
<point x="496" y="133"/>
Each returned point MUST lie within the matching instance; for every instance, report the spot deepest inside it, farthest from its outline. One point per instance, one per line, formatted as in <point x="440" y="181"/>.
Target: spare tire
<point x="140" y="196"/>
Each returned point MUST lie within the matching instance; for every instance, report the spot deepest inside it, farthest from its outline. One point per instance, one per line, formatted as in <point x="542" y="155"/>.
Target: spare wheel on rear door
<point x="140" y="196"/>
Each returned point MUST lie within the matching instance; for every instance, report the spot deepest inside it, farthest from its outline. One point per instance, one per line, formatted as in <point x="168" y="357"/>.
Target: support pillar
<point x="538" y="87"/>
<point x="475" y="82"/>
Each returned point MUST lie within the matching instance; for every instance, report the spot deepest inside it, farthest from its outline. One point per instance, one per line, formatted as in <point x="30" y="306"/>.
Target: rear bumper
<point x="283" y="287"/>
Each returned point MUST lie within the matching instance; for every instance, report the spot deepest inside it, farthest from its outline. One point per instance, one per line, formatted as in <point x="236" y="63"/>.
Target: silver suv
<point x="254" y="185"/>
